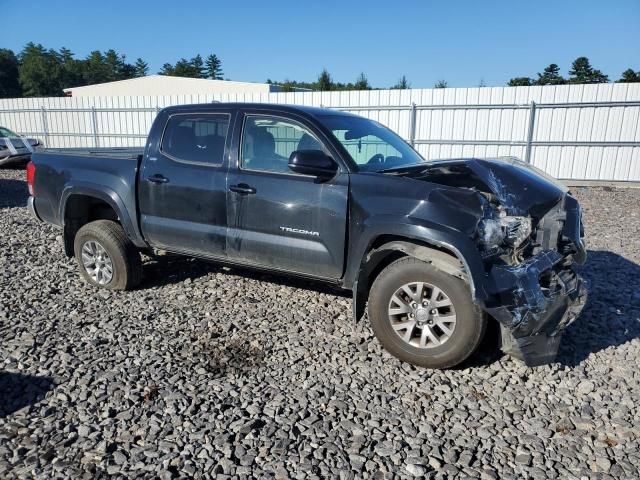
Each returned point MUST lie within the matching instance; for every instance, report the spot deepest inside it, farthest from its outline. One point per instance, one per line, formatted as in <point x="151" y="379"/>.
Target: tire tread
<point x="112" y="233"/>
<point x="474" y="337"/>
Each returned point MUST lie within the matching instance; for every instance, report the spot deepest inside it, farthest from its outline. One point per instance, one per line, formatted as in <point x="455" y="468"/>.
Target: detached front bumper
<point x="535" y="302"/>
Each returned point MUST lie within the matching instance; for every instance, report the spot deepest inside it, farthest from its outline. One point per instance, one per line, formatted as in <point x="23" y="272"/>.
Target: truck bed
<point x="109" y="174"/>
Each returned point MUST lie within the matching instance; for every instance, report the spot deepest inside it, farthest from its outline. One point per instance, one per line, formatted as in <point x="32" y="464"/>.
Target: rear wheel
<point x="106" y="256"/>
<point x="424" y="316"/>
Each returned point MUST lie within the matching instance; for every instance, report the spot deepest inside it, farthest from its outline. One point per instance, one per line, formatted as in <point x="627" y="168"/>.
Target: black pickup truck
<point x="435" y="249"/>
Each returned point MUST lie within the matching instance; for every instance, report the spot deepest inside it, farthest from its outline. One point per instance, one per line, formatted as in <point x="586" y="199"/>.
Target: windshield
<point x="373" y="147"/>
<point x="5" y="132"/>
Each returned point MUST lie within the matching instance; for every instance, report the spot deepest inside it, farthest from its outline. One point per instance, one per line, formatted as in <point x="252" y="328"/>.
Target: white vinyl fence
<point x="576" y="132"/>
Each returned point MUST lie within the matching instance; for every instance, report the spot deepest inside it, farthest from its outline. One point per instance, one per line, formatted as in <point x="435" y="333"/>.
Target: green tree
<point x="113" y="63"/>
<point x="193" y="68"/>
<point x="197" y="64"/>
<point x="550" y="76"/>
<point x="362" y="83"/>
<point x="520" y="82"/>
<point x="96" y="69"/>
<point x="288" y="86"/>
<point x="167" y="69"/>
<point x="123" y="69"/>
<point x="183" y="68"/>
<point x="116" y="67"/>
<point x="71" y="70"/>
<point x="141" y="68"/>
<point x="39" y="71"/>
<point x="126" y="70"/>
<point x="9" y="76"/>
<point x="402" y="84"/>
<point x="441" y="84"/>
<point x="324" y="82"/>
<point x="628" y="76"/>
<point x="582" y="72"/>
<point x="213" y="67"/>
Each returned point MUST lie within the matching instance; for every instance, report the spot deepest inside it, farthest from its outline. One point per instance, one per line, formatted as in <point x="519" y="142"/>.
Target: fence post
<point x="412" y="124"/>
<point x="45" y="125"/>
<point x="94" y="120"/>
<point x="532" y="123"/>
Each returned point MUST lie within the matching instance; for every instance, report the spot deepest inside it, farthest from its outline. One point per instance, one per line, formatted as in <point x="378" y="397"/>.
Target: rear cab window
<point x="196" y="138"/>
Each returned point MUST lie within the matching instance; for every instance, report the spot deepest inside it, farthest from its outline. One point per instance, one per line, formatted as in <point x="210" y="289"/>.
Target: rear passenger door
<point x="182" y="189"/>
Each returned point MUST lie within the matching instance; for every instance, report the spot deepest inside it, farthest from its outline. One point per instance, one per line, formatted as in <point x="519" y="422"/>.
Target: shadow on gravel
<point x="612" y="314"/>
<point x="168" y="270"/>
<point x="290" y="282"/>
<point x="489" y="350"/>
<point x="13" y="193"/>
<point x="18" y="391"/>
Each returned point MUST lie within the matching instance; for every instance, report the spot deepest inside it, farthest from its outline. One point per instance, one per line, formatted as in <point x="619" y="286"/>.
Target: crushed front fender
<point x="534" y="302"/>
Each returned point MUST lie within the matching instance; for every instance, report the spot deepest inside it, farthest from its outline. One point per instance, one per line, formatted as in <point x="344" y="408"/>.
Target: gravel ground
<point x="205" y="370"/>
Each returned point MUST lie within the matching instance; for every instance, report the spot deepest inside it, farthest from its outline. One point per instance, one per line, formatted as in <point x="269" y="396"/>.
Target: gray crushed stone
<point x="208" y="371"/>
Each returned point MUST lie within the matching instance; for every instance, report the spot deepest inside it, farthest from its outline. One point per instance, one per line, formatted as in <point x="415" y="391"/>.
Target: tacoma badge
<point x="300" y="231"/>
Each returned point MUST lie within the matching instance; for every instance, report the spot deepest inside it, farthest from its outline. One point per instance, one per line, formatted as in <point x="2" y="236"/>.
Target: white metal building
<point x="166" y="85"/>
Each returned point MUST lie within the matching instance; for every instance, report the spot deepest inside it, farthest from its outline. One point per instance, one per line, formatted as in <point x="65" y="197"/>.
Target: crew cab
<point x="433" y="249"/>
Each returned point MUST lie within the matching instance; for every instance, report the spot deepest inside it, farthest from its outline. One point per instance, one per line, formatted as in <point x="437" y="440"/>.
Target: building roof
<point x="168" y="85"/>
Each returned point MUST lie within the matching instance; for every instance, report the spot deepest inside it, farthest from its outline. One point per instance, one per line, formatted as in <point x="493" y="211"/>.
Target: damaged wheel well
<point x="387" y="249"/>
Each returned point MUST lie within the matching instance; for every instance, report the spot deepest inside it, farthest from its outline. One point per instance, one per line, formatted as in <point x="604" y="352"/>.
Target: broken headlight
<point x="504" y="231"/>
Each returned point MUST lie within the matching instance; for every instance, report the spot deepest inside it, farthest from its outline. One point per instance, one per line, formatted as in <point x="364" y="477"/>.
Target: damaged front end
<point x="536" y="292"/>
<point x="530" y="237"/>
<point x="535" y="301"/>
<point x="529" y="251"/>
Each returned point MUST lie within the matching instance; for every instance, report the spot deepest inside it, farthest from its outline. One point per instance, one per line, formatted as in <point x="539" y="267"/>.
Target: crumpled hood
<point x="519" y="187"/>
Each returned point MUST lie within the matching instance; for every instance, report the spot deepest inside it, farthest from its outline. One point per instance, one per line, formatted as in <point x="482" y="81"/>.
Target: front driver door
<point x="279" y="219"/>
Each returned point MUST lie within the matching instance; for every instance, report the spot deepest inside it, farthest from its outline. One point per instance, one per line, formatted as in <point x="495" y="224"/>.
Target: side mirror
<point x="312" y="162"/>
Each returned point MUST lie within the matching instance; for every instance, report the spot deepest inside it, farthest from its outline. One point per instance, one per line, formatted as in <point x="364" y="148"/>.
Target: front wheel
<point x="106" y="256"/>
<point x="424" y="316"/>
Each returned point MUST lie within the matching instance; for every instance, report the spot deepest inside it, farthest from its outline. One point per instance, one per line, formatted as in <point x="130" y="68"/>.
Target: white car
<point x="16" y="149"/>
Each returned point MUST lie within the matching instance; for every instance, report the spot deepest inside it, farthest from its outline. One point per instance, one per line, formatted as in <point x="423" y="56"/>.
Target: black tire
<point x="125" y="258"/>
<point x="470" y="320"/>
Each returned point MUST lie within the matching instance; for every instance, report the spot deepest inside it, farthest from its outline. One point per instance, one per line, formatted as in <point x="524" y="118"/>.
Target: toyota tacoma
<point x="434" y="250"/>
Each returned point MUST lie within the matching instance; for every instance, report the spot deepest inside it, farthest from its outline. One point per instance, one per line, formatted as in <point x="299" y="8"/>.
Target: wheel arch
<point x="80" y="205"/>
<point x="386" y="249"/>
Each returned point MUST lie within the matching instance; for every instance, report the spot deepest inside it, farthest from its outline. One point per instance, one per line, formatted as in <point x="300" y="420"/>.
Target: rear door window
<point x="198" y="138"/>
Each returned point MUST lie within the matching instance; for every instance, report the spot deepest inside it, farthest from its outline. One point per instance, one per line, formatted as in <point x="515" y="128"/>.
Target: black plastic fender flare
<point x="439" y="259"/>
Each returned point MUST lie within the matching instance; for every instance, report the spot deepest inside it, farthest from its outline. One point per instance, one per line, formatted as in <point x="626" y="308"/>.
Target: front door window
<point x="268" y="142"/>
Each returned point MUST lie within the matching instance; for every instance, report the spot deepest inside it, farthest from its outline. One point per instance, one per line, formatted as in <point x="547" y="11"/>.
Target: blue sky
<point x="462" y="42"/>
